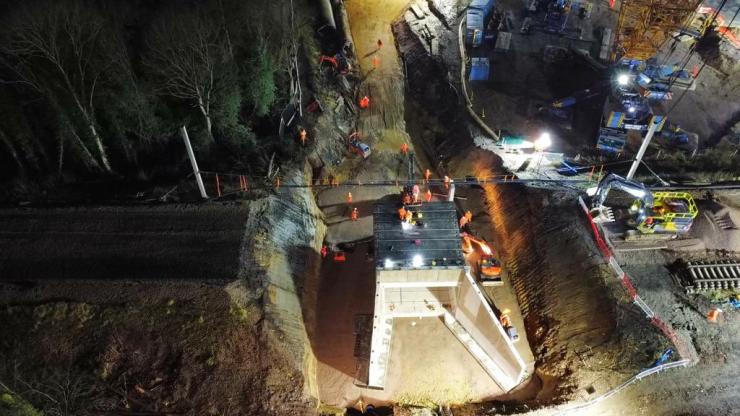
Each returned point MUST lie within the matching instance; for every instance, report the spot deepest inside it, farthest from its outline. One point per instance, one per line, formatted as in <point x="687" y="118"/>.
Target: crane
<point x="640" y="80"/>
<point x="644" y="25"/>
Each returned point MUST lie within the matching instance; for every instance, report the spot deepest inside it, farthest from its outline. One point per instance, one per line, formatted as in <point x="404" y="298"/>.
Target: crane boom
<point x="645" y="24"/>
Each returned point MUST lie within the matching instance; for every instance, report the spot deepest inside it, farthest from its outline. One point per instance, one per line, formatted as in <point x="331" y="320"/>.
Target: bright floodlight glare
<point x="417" y="261"/>
<point x="631" y="109"/>
<point x="388" y="263"/>
<point x="543" y="142"/>
<point x="623" y="79"/>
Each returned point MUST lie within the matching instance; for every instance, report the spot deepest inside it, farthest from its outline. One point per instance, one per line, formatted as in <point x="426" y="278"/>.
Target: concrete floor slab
<point x="429" y="365"/>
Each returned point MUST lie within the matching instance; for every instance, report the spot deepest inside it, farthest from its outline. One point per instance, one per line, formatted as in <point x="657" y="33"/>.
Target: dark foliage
<point x="96" y="90"/>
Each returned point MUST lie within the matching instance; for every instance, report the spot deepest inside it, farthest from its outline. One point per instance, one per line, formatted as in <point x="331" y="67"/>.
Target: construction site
<point x="497" y="207"/>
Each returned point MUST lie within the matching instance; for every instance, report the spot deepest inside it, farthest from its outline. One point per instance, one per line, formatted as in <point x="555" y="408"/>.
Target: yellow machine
<point x="645" y="24"/>
<point x="670" y="212"/>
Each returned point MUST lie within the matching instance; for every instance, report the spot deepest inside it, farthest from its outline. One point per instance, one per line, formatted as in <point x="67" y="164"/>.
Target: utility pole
<point x="193" y="162"/>
<point x="654" y="123"/>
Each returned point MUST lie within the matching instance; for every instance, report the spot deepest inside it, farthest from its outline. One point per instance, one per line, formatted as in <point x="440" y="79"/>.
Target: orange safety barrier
<point x="627" y="283"/>
<point x="664" y="328"/>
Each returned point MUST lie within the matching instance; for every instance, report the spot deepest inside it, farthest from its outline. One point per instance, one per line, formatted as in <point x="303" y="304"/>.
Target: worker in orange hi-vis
<point x="364" y="102"/>
<point x="463" y="221"/>
<point x="354" y="214"/>
<point x="469" y="216"/>
<point x="302" y="136"/>
<point x="447" y="182"/>
<point x="713" y="315"/>
<point x="428" y="196"/>
<point x="427" y="175"/>
<point x="402" y="213"/>
<point x="404" y="149"/>
<point x="349" y="198"/>
<point x="376" y="62"/>
<point x="409" y="216"/>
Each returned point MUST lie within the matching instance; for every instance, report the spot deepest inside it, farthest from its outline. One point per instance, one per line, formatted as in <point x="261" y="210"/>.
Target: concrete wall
<point x="476" y="316"/>
<point x="418" y="277"/>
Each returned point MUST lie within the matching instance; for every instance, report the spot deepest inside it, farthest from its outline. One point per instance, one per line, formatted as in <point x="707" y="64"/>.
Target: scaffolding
<point x="644" y="25"/>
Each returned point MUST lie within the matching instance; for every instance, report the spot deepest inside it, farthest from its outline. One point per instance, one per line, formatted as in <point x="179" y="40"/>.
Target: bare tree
<point x="186" y="50"/>
<point x="59" y="49"/>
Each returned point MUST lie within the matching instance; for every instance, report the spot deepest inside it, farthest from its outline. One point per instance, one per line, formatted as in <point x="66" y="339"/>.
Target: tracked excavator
<point x="660" y="212"/>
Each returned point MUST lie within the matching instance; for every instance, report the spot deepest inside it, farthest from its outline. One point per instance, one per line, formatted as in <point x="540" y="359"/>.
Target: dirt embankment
<point x="281" y="253"/>
<point x="145" y="322"/>
<point x="185" y="309"/>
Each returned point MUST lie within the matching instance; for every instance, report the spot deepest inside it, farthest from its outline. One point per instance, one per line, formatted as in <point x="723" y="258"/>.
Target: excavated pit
<point x="581" y="328"/>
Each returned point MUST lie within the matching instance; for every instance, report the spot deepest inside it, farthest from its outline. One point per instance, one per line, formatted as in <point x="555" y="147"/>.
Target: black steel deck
<point x="436" y="239"/>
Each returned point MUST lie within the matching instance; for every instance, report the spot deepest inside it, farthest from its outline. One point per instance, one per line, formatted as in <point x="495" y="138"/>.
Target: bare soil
<point x="138" y="310"/>
<point x="157" y="353"/>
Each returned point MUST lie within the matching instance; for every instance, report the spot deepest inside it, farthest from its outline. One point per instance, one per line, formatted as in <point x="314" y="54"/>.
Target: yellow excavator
<point x="655" y="212"/>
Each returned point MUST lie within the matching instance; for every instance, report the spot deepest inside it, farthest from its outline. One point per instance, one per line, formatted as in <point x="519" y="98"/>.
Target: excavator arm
<point x="612" y="180"/>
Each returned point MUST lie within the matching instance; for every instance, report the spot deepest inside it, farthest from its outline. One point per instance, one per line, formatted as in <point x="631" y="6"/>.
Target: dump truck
<point x="477" y="17"/>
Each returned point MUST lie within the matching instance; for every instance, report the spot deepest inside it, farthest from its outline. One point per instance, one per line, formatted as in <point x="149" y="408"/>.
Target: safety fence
<point x="684" y="350"/>
<point x="637" y="377"/>
<point x="220" y="184"/>
<point x="687" y="354"/>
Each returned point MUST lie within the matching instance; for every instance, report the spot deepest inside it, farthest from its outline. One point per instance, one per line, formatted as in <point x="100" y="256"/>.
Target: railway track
<point x="712" y="275"/>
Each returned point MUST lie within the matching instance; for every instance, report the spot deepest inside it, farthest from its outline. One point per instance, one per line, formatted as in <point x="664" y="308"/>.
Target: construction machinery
<point x="561" y="109"/>
<point x="644" y="25"/>
<point x="641" y="82"/>
<point x="654" y="212"/>
<point x="489" y="267"/>
<point x="478" y="13"/>
<point x="358" y="147"/>
<point x="490" y="270"/>
<point x="670" y="212"/>
<point x="557" y="15"/>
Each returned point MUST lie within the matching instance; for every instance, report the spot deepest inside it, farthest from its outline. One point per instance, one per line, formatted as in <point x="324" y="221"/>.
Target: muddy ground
<point x="133" y="310"/>
<point x="194" y="352"/>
